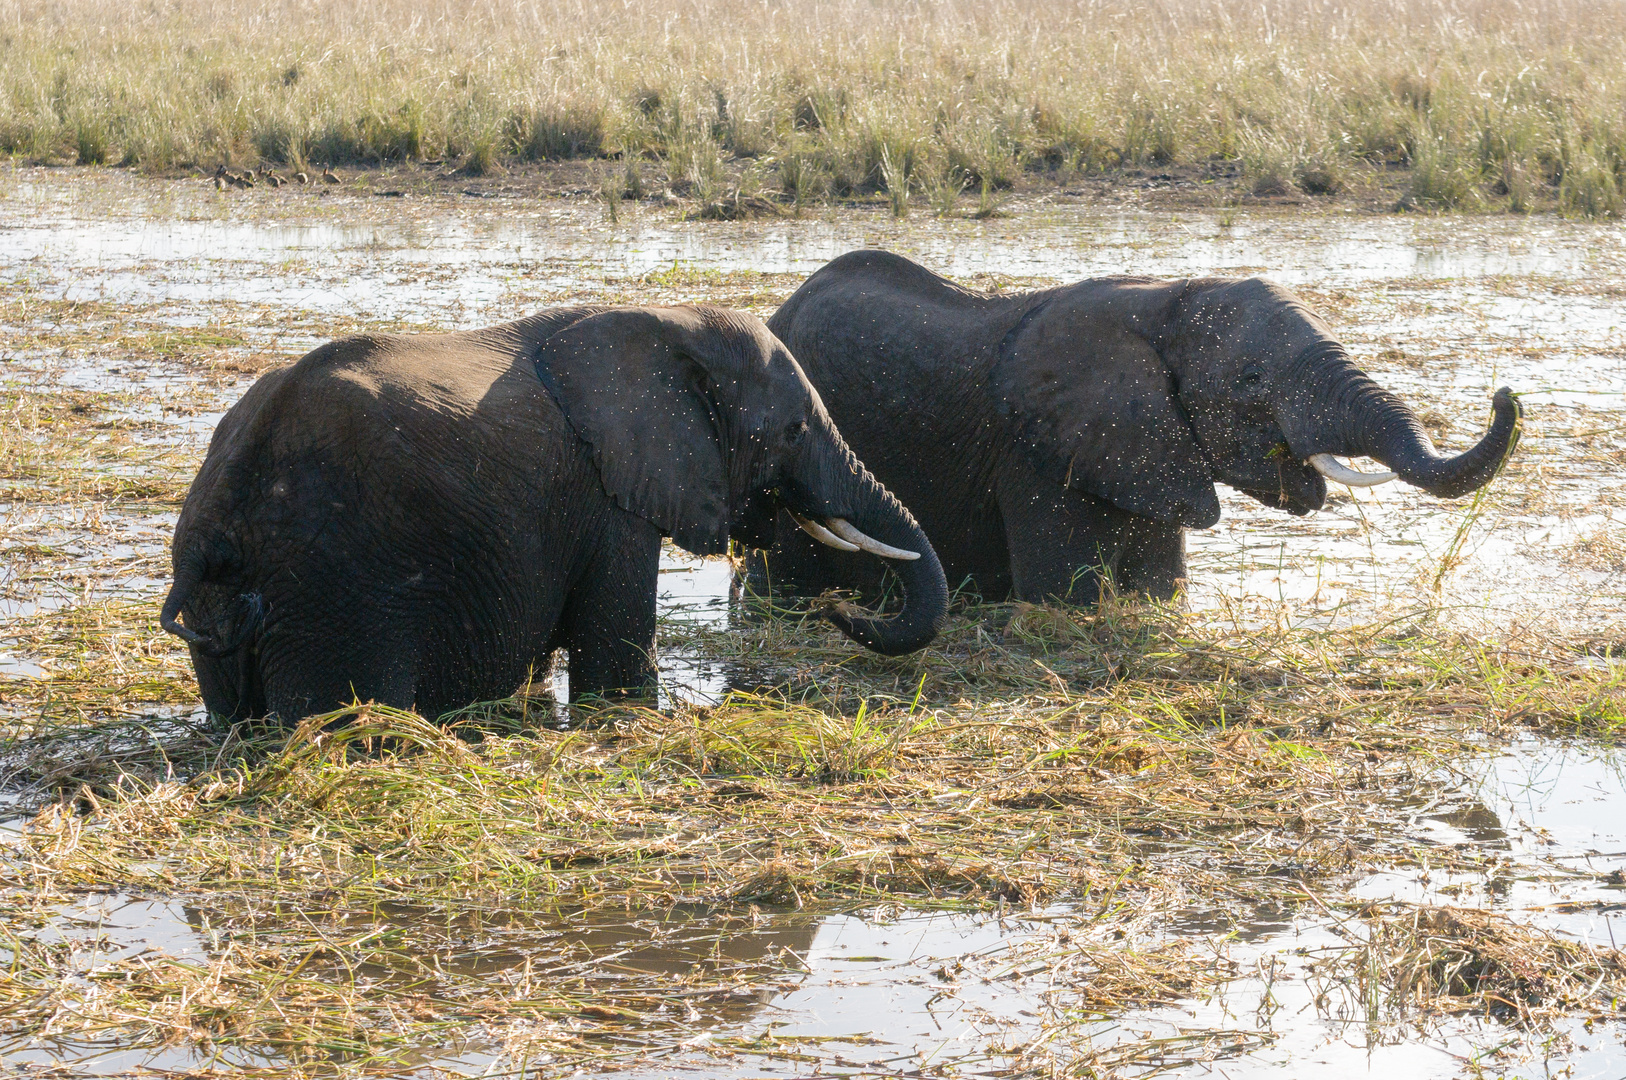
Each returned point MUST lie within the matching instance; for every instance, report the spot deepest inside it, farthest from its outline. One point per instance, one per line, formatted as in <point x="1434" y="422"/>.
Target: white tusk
<point x="844" y="529"/>
<point x="820" y="533"/>
<point x="1343" y="474"/>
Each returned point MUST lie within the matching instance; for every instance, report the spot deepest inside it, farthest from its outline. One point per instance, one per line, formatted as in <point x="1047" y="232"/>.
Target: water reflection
<point x="1554" y="814"/>
<point x="342" y="252"/>
<point x="680" y="968"/>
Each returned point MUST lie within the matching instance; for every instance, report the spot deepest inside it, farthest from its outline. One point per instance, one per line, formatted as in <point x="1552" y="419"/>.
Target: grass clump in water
<point x="1104" y="758"/>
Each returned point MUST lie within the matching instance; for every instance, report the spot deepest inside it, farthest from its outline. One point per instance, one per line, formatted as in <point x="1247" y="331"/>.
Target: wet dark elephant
<point x="421" y="521"/>
<point x="1046" y="438"/>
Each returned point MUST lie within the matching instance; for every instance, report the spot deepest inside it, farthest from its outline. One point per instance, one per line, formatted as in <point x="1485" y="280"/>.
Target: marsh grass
<point x="1118" y="766"/>
<point x="72" y="445"/>
<point x="1115" y="721"/>
<point x="993" y="91"/>
<point x="1443" y="961"/>
<point x="1592" y="182"/>
<point x="1106" y="759"/>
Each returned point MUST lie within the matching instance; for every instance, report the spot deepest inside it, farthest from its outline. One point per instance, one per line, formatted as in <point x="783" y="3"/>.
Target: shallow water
<point x="310" y="237"/>
<point x="1442" y="310"/>
<point x="884" y="992"/>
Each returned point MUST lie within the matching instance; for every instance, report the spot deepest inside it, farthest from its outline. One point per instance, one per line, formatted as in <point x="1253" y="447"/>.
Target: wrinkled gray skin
<point x="1046" y="438"/>
<point x="421" y="521"/>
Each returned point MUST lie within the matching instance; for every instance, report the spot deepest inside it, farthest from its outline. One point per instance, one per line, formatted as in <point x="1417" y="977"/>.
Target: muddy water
<point x="1441" y="310"/>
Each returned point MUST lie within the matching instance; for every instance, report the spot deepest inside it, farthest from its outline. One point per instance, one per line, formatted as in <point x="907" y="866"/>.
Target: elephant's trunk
<point x="852" y="499"/>
<point x="1358" y="417"/>
<point x="190" y="568"/>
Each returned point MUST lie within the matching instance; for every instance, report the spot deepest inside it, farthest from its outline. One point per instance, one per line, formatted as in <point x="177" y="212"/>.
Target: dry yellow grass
<point x="1487" y="101"/>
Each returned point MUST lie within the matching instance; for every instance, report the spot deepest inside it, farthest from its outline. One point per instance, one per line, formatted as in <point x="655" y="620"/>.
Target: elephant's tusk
<point x="1343" y="474"/>
<point x="844" y="529"/>
<point x="820" y="533"/>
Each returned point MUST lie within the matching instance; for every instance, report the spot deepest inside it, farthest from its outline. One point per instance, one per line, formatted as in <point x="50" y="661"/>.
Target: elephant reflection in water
<point x="1046" y="439"/>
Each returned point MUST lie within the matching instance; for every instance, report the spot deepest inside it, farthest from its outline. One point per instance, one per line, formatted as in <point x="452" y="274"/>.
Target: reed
<point x="1297" y="91"/>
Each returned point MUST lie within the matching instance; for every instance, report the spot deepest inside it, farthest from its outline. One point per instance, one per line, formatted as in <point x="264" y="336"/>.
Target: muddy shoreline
<point x="1379" y="188"/>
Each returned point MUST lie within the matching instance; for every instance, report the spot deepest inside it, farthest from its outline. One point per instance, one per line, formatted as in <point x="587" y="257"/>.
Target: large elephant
<point x="421" y="521"/>
<point x="1046" y="438"/>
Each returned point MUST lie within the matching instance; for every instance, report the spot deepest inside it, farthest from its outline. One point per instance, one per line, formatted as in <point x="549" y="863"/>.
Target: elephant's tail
<point x="191" y="569"/>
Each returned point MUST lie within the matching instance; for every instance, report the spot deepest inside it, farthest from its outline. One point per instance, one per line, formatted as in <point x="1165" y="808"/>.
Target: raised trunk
<point x="835" y="484"/>
<point x="1345" y="412"/>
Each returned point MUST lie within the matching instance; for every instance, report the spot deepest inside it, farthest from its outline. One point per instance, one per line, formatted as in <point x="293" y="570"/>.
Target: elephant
<point x="422" y="520"/>
<point x="1047" y="440"/>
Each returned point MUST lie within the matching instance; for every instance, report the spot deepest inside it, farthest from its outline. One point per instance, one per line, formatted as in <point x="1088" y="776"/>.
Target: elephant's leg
<point x="1061" y="544"/>
<point x="1153" y="560"/>
<point x="609" y="618"/>
<point x="321" y="674"/>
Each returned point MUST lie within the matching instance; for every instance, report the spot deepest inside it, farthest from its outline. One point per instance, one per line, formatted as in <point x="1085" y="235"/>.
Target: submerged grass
<point x="1498" y="102"/>
<point x="1128" y="762"/>
<point x="370" y="894"/>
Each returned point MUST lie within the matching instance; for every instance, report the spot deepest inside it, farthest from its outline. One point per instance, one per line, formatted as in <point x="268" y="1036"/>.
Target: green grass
<point x="835" y="97"/>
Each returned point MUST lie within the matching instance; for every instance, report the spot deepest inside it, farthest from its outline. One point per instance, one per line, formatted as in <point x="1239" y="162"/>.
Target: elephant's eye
<point x="795" y="433"/>
<point x="1253" y="378"/>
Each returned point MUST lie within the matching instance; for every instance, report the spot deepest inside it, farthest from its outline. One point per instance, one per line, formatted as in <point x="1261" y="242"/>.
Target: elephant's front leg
<point x="1153" y="560"/>
<point x="608" y="623"/>
<point x="1061" y="543"/>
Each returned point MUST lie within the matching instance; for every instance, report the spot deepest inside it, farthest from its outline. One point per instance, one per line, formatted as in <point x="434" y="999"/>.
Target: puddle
<point x="1545" y="807"/>
<point x="1556" y="817"/>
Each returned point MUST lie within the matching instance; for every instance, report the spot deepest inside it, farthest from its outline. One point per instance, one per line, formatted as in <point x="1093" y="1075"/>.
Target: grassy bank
<point x="1489" y="103"/>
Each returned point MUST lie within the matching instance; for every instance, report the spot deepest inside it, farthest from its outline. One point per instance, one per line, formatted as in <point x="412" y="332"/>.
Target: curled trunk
<point x="837" y="486"/>
<point x="1358" y="417"/>
<point x="924" y="587"/>
<point x="1395" y="438"/>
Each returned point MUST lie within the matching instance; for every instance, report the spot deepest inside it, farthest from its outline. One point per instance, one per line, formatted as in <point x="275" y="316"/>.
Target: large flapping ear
<point x="1099" y="412"/>
<point x="634" y="384"/>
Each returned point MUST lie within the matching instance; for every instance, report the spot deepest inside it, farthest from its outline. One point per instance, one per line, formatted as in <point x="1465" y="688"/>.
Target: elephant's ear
<point x="633" y="383"/>
<point x="1098" y="411"/>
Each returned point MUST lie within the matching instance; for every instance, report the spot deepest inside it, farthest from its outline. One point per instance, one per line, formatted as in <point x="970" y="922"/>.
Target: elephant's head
<point x="701" y="422"/>
<point x="1156" y="390"/>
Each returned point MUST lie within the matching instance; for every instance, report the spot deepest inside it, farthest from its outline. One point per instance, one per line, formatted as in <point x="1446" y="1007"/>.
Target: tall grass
<point x="1486" y="96"/>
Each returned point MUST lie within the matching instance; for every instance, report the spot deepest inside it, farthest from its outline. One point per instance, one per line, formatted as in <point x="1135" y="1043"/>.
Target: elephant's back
<point x="872" y="322"/>
<point x="462" y="379"/>
<point x="480" y="381"/>
<point x="394" y="421"/>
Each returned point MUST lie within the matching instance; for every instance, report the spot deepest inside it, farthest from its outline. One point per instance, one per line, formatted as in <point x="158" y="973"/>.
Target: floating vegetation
<point x="1065" y="841"/>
